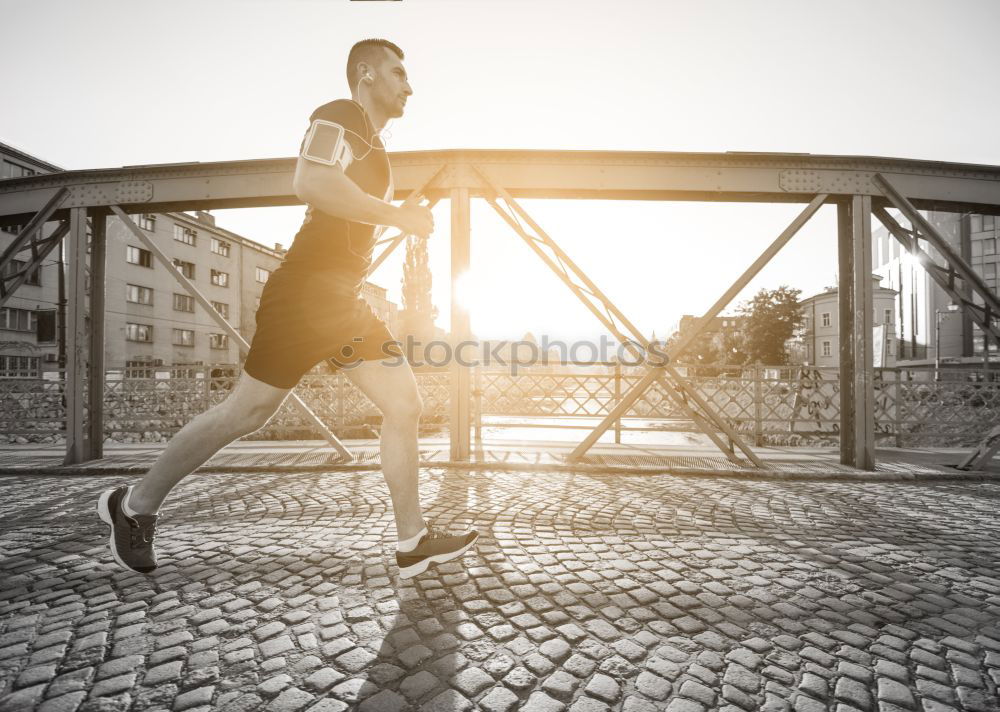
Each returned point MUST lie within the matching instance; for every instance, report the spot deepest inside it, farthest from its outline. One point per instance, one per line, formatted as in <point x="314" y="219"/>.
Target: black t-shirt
<point x="329" y="243"/>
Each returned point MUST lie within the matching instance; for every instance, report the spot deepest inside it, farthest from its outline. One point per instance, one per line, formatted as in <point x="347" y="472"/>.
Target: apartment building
<point x="28" y="320"/>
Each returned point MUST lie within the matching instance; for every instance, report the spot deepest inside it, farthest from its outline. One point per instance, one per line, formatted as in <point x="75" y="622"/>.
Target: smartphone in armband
<point x="325" y="143"/>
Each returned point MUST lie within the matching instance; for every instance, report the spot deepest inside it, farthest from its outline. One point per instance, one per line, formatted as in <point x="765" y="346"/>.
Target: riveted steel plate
<point x="134" y="191"/>
<point x="129" y="191"/>
<point x="843" y="182"/>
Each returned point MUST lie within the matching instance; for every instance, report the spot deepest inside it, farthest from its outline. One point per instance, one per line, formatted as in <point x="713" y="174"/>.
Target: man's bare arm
<point x="328" y="189"/>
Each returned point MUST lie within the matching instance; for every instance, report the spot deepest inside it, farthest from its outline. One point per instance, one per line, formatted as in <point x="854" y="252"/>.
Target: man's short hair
<point x="367" y="51"/>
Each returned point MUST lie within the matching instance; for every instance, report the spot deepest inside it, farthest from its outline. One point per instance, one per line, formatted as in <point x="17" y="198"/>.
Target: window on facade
<point x="9" y="169"/>
<point x="220" y="279"/>
<point x="222" y="308"/>
<point x="20" y="366"/>
<point x="147" y="221"/>
<point x="887" y="316"/>
<point x="988" y="222"/>
<point x="989" y="246"/>
<point x="138" y="256"/>
<point x="826" y="348"/>
<point x="826" y="319"/>
<point x="183" y="302"/>
<point x="262" y="274"/>
<point x="185" y="268"/>
<point x="13" y="319"/>
<point x="218" y="341"/>
<point x="183" y="337"/>
<point x="220" y="247"/>
<point x="139" y="332"/>
<point x="977" y="248"/>
<point x="185" y="235"/>
<point x="15" y="266"/>
<point x="976" y="223"/>
<point x="138" y="295"/>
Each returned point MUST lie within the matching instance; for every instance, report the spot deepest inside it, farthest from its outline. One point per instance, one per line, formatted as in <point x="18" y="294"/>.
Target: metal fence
<point x="771" y="405"/>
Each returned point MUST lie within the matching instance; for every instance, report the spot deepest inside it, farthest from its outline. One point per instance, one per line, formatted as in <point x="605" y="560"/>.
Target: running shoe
<point x="434" y="547"/>
<point x="131" y="537"/>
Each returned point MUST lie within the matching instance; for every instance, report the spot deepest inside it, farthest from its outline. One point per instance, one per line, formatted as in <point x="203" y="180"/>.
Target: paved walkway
<point x="587" y="593"/>
<point x="697" y="456"/>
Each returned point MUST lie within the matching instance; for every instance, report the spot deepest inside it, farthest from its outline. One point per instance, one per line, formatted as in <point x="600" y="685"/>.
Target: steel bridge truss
<point x="860" y="187"/>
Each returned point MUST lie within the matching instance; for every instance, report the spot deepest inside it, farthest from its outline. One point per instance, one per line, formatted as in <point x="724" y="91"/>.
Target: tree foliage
<point x="771" y="317"/>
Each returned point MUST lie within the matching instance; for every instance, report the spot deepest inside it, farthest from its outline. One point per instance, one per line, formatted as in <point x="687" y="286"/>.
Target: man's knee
<point x="244" y="419"/>
<point x="407" y="408"/>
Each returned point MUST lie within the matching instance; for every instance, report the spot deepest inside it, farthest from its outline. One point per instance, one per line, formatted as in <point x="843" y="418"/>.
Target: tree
<point x="771" y="317"/>
<point x="418" y="313"/>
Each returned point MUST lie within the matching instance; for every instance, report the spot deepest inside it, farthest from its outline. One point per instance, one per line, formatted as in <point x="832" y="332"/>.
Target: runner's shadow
<point x="418" y="655"/>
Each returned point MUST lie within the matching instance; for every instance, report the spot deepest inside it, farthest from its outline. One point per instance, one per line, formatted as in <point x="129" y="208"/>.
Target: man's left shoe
<point x="131" y="538"/>
<point x="434" y="547"/>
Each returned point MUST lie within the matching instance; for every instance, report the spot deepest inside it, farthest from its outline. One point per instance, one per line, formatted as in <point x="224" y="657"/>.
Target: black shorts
<point x="305" y="318"/>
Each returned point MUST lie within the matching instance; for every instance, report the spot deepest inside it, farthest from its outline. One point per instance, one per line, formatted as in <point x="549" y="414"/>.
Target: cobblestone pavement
<point x="587" y="593"/>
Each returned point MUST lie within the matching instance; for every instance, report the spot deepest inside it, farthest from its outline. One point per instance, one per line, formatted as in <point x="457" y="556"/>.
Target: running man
<point x="311" y="310"/>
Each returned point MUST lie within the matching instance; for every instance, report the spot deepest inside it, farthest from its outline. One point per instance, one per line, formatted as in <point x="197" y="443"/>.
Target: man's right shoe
<point x="434" y="547"/>
<point x="131" y="537"/>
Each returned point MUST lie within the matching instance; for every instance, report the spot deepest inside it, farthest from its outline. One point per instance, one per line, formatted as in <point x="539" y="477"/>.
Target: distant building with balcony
<point x="817" y="341"/>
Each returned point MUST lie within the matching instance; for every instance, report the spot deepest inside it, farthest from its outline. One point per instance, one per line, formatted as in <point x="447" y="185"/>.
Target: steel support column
<point x="856" y="305"/>
<point x="460" y="392"/>
<point x="95" y="363"/>
<point x="77" y="346"/>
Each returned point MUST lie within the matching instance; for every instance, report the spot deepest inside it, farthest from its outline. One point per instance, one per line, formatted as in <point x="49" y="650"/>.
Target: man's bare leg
<point x="245" y="410"/>
<point x="393" y="389"/>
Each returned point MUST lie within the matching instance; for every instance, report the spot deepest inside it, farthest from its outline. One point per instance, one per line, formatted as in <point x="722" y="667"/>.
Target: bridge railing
<point x="772" y="405"/>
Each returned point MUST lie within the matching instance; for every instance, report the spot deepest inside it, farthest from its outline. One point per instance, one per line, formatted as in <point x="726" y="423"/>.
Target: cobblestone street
<point x="586" y="593"/>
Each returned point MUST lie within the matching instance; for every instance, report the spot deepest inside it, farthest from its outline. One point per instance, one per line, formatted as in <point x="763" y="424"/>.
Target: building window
<point x="887" y="316"/>
<point x="185" y="235"/>
<point x="147" y="221"/>
<point x="220" y="279"/>
<point x="988" y="222"/>
<point x="826" y="318"/>
<point x="183" y="302"/>
<point x="138" y="295"/>
<point x="989" y="246"/>
<point x="826" y="348"/>
<point x="138" y="256"/>
<point x="222" y="308"/>
<point x="16" y="170"/>
<point x="20" y="366"/>
<point x="185" y="268"/>
<point x="218" y="341"/>
<point x="977" y="248"/>
<point x="139" y="332"/>
<point x="262" y="275"/>
<point x="976" y="223"/>
<point x="183" y="337"/>
<point x="15" y="266"/>
<point x="220" y="247"/>
<point x="12" y="319"/>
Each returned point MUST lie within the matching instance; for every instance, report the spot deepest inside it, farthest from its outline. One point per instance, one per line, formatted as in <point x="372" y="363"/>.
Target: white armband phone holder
<point x="325" y="143"/>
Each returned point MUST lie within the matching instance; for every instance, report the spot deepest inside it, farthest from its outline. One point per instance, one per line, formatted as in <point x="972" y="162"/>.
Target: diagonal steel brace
<point x="31" y="237"/>
<point x="679" y="390"/>
<point x="928" y="232"/>
<point x="639" y="388"/>
<point x="981" y="315"/>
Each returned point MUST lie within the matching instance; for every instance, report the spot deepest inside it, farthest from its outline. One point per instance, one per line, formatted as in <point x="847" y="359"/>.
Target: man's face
<point x="391" y="86"/>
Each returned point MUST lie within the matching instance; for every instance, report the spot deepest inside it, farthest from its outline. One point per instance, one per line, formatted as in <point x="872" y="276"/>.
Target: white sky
<point x="105" y="83"/>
